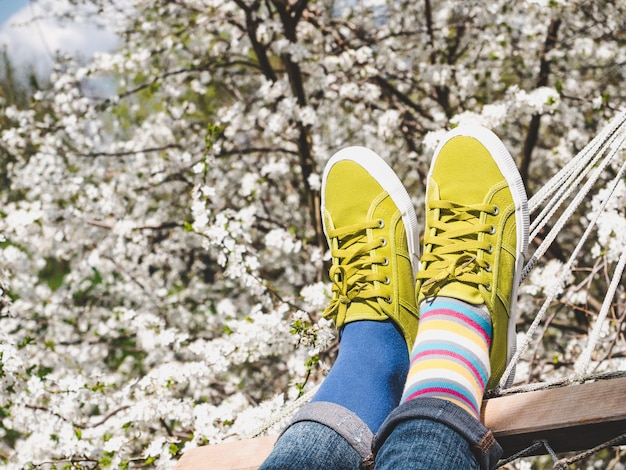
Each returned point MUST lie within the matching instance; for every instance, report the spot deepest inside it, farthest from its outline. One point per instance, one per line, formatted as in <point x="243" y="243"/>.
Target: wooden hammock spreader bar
<point x="570" y="418"/>
<point x="574" y="417"/>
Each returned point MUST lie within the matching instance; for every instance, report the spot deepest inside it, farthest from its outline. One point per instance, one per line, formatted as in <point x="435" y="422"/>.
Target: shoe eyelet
<point x="381" y="223"/>
<point x="388" y="299"/>
<point x="385" y="262"/>
<point x="492" y="230"/>
<point x="490" y="250"/>
<point x="488" y="287"/>
<point x="496" y="210"/>
<point x="383" y="242"/>
<point x="488" y="268"/>
<point x="387" y="281"/>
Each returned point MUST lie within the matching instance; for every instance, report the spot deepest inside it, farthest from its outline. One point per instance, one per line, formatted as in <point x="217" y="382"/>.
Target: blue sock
<point x="369" y="373"/>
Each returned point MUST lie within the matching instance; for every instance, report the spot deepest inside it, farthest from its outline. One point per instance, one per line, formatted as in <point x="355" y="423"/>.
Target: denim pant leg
<point x="430" y="433"/>
<point x="321" y="436"/>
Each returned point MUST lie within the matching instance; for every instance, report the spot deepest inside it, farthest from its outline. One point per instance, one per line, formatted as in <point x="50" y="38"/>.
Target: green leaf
<point x="174" y="449"/>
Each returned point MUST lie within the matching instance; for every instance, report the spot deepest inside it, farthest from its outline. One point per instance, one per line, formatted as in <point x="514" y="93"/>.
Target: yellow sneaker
<point x="476" y="232"/>
<point x="371" y="229"/>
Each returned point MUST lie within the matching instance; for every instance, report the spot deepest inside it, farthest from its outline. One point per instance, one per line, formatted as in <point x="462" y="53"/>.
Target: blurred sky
<point x="9" y="7"/>
<point x="32" y="36"/>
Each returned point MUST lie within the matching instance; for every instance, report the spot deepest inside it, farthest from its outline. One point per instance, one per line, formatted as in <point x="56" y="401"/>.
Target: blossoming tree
<point x="161" y="252"/>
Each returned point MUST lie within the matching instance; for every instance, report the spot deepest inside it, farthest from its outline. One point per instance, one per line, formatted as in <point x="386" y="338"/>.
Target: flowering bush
<point x="162" y="258"/>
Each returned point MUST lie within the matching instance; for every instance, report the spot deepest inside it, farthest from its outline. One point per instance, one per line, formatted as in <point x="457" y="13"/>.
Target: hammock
<point x="590" y="163"/>
<point x="559" y="198"/>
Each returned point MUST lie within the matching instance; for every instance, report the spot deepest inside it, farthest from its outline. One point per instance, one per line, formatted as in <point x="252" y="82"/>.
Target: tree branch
<point x="260" y="50"/>
<point x="126" y="153"/>
<point x="290" y="17"/>
<point x="403" y="98"/>
<point x="161" y="226"/>
<point x="544" y="72"/>
<point x="104" y="419"/>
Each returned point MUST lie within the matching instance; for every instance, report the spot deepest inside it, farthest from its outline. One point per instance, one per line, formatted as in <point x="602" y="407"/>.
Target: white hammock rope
<point x="579" y="161"/>
<point x="562" y="464"/>
<point x="565" y="463"/>
<point x="615" y="138"/>
<point x="582" y="364"/>
<point x="591" y="163"/>
<point x="565" y="272"/>
<point x="556" y="383"/>
<point x="285" y="412"/>
<point x="577" y="174"/>
<point x="564" y="189"/>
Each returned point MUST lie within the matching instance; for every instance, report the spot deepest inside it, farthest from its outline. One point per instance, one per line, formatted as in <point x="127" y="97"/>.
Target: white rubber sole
<point x="509" y="170"/>
<point x="387" y="178"/>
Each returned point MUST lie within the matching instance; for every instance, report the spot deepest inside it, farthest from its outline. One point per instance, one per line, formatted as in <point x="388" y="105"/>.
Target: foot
<point x="371" y="229"/>
<point x="476" y="233"/>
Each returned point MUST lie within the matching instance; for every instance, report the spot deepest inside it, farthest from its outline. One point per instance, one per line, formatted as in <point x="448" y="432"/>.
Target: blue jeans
<point x="423" y="434"/>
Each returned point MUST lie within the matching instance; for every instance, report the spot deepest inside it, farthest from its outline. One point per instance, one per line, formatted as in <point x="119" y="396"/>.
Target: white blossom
<point x="161" y="254"/>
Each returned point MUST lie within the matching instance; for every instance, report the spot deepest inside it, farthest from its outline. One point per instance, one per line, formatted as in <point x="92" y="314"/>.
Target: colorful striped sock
<point x="450" y="358"/>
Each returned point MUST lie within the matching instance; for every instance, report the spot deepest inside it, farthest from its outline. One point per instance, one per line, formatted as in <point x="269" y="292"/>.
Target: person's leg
<point x="475" y="237"/>
<point x="438" y="444"/>
<point x="309" y="445"/>
<point x="371" y="229"/>
<point x="432" y="433"/>
<point x="369" y="373"/>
